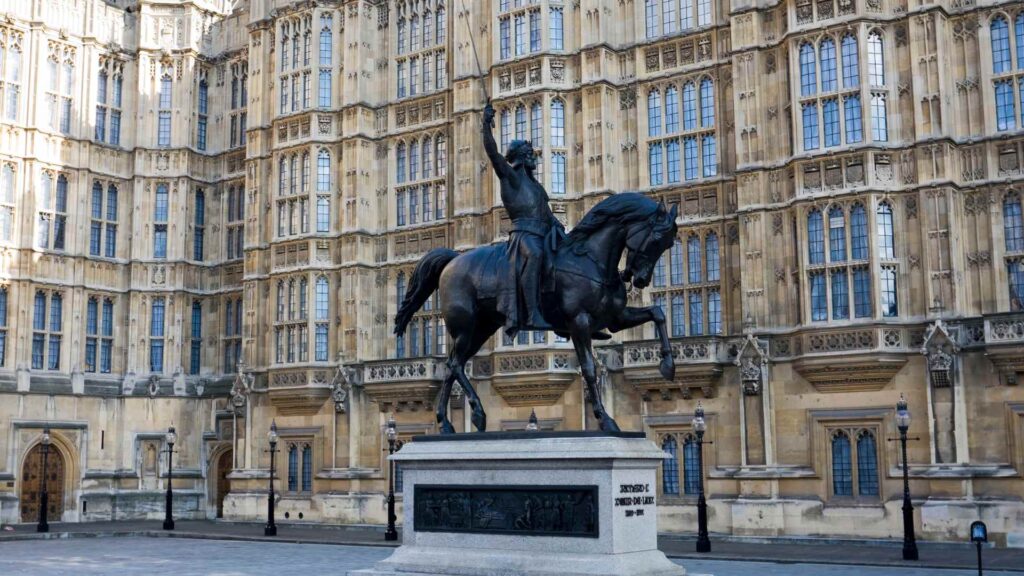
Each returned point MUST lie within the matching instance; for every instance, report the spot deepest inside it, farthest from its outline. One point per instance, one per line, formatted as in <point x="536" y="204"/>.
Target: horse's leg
<point x="630" y="317"/>
<point x="465" y="346"/>
<point x="442" y="403"/>
<point x="581" y="340"/>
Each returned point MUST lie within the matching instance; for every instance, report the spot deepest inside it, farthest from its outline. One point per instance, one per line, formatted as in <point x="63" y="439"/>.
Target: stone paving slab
<point x="882" y="553"/>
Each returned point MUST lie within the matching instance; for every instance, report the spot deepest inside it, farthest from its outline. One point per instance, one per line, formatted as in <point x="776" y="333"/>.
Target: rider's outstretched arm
<point x="501" y="166"/>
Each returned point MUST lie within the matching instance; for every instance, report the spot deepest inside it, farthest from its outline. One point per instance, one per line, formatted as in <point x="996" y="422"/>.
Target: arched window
<point x="672" y="155"/>
<point x="691" y="465"/>
<point x="558" y="173"/>
<point x="830" y="116"/>
<point x="1019" y="33"/>
<point x="696" y="313"/>
<point x="401" y="36"/>
<point x="659" y="272"/>
<point x="810" y="117"/>
<point x="711" y="257"/>
<point x="886" y="244"/>
<point x="693" y="259"/>
<point x="836" y="234"/>
<point x="506" y="129"/>
<point x="1013" y="227"/>
<point x="714" y="312"/>
<point x="651" y="17"/>
<point x="441" y="155"/>
<point x="668" y="16"/>
<point x="400" y="288"/>
<point x="321" y="299"/>
<point x="323" y="171"/>
<point x="654" y="167"/>
<point x="827" y="56"/>
<point x="520" y="122"/>
<point x="414" y="160"/>
<point x="867" y="464"/>
<point x="808" y="73"/>
<point x="282" y="176"/>
<point x="851" y="62"/>
<point x="303" y="299"/>
<point x="293" y="175"/>
<point x="654" y="113"/>
<point x="6" y="202"/>
<point x="537" y="125"/>
<point x="689" y="106"/>
<point x="1000" y="30"/>
<point x="671" y="110"/>
<point x="326" y="40"/>
<point x="293" y="468"/>
<point x="859" y="232"/>
<point x="164" y="116"/>
<point x="305" y="172"/>
<point x="307" y="468"/>
<point x="280" y="300"/>
<point x="428" y="25"/>
<point x="842" y="471"/>
<point x="400" y="163"/>
<point x="676" y="262"/>
<point x="707" y="103"/>
<point x="441" y="22"/>
<point x="815" y="237"/>
<point x="670" y="467"/>
<point x="1006" y="113"/>
<point x="414" y="33"/>
<point x="678" y="316"/>
<point x="426" y="151"/>
<point x="557" y="122"/>
<point x="876" y="60"/>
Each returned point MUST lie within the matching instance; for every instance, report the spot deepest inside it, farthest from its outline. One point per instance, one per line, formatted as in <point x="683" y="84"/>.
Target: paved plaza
<point x="192" y="557"/>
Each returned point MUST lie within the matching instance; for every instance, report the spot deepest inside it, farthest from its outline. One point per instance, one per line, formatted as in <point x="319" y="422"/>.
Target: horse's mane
<point x="620" y="208"/>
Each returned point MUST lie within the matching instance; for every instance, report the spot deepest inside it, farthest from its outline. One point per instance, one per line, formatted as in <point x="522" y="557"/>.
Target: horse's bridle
<point x="649" y="226"/>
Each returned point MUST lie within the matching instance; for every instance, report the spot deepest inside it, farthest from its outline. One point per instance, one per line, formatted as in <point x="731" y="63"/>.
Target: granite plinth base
<point x="537" y="505"/>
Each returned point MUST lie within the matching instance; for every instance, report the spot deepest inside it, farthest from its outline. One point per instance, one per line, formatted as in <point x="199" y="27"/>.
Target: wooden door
<point x="31" y="485"/>
<point x="223" y="484"/>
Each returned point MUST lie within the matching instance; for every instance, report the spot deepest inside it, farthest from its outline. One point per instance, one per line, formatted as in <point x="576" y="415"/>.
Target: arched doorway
<point x="32" y="484"/>
<point x="223" y="484"/>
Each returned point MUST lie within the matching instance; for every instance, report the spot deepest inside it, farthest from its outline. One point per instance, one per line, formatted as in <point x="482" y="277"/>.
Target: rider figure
<point x="535" y="230"/>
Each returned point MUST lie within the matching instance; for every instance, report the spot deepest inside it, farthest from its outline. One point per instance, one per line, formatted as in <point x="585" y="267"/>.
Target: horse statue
<point x="589" y="293"/>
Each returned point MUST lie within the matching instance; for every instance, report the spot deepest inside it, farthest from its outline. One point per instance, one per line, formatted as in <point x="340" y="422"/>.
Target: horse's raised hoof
<point x="667" y="368"/>
<point x="446" y="427"/>
<point x="608" y="423"/>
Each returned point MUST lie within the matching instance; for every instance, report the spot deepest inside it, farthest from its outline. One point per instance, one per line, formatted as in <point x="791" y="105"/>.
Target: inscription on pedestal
<point x="633" y="497"/>
<point x="520" y="510"/>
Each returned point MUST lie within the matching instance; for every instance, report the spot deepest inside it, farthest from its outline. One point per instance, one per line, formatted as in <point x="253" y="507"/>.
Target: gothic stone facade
<point x="209" y="211"/>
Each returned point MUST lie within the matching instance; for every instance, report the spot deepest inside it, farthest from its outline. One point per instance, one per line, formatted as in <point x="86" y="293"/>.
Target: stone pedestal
<point x="529" y="504"/>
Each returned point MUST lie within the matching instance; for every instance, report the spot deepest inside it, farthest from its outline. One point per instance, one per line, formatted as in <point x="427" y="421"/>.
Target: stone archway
<point x="32" y="484"/>
<point x="224" y="466"/>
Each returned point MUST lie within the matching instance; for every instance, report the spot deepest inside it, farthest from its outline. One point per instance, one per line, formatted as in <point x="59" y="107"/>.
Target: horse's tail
<point x="422" y="284"/>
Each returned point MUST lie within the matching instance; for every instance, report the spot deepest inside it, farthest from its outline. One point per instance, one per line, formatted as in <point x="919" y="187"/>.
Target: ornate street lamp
<point x="44" y="496"/>
<point x="700" y="427"/>
<point x="391" y="534"/>
<point x="169" y="503"/>
<point x="903" y="424"/>
<point x="271" y="528"/>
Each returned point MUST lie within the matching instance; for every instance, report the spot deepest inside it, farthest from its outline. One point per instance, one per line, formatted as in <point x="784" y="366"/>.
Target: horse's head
<point x="646" y="241"/>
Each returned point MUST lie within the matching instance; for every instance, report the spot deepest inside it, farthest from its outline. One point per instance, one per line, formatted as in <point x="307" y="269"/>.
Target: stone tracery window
<point x="829" y="110"/>
<point x="47" y="329"/>
<point x="10" y="72"/>
<point x="681" y="455"/>
<point x="160" y="217"/>
<point x="694" y="146"/>
<point x="1013" y="238"/>
<point x="854" y="462"/>
<point x="51" y="227"/>
<point x="842" y="280"/>
<point x="7" y="201"/>
<point x="1008" y="81"/>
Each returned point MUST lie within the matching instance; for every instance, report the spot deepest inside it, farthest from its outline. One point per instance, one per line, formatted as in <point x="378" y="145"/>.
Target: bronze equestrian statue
<point x="499" y="285"/>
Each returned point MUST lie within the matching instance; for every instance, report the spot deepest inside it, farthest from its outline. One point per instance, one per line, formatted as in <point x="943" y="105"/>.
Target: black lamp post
<point x="169" y="503"/>
<point x="44" y="496"/>
<point x="979" y="534"/>
<point x="909" y="541"/>
<point x="700" y="426"/>
<point x="391" y="534"/>
<point x="271" y="528"/>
